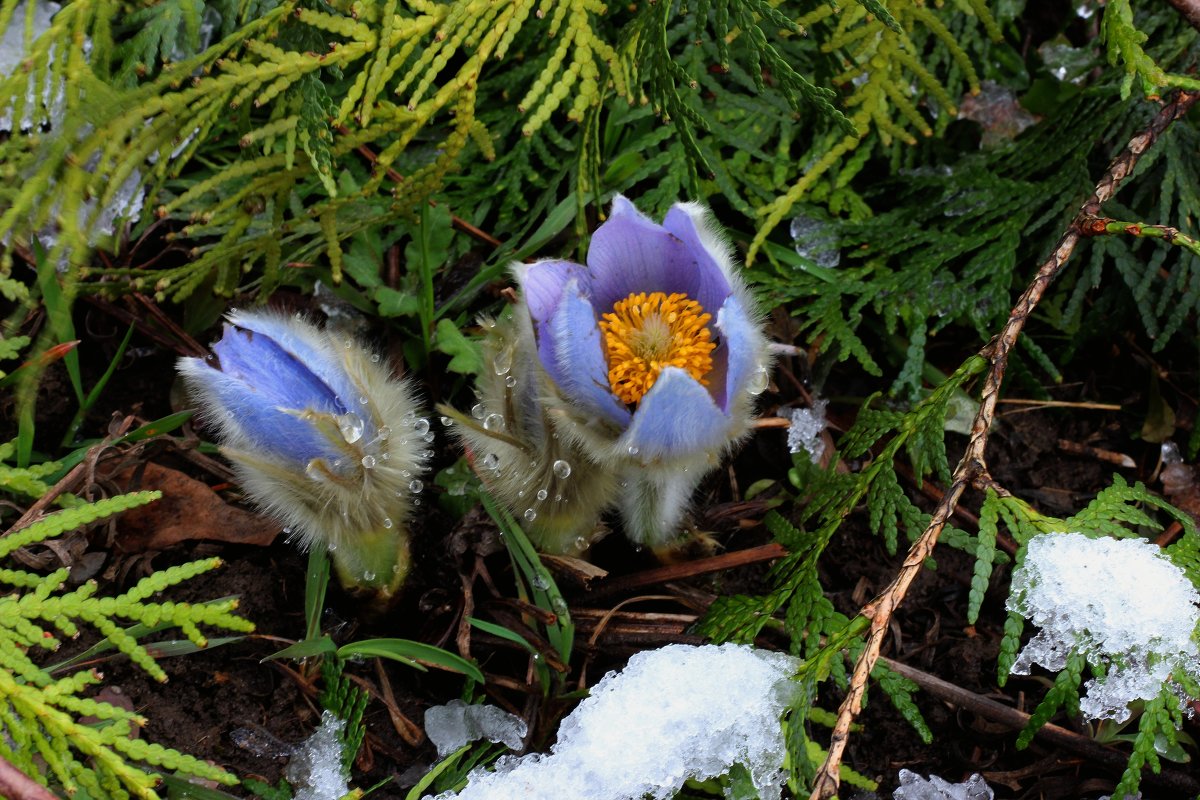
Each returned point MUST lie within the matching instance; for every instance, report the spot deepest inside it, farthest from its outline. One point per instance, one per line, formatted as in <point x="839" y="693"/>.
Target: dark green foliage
<point x="1064" y="694"/>
<point x="900" y="691"/>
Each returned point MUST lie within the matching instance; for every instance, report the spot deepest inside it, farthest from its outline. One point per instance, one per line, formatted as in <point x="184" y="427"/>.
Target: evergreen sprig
<point x="40" y="714"/>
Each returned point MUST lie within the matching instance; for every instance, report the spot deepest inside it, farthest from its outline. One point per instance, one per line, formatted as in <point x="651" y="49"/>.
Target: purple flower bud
<point x="640" y="368"/>
<point x="320" y="436"/>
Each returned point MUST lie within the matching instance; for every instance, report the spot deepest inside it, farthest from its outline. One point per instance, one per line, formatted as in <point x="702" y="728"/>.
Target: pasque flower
<point x="638" y="371"/>
<point x="321" y="436"/>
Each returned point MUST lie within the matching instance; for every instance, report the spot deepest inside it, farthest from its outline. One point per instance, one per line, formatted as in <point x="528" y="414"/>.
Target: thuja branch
<point x="972" y="469"/>
<point x="1099" y="226"/>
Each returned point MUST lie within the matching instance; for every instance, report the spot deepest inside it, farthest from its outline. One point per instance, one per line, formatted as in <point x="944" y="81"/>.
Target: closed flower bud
<point x="639" y="369"/>
<point x="321" y="437"/>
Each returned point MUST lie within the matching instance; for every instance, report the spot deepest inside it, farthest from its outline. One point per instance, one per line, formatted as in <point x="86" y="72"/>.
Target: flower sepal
<point x="373" y="567"/>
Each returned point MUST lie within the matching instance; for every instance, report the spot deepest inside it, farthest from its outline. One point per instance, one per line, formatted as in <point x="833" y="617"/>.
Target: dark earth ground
<point x="230" y="706"/>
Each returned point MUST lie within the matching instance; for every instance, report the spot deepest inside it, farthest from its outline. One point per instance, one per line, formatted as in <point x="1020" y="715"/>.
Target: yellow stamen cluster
<point x="646" y="332"/>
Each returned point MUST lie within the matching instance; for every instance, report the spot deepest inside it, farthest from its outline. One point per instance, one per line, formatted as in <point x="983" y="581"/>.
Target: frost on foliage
<point x="672" y="714"/>
<point x="315" y="770"/>
<point x="128" y="199"/>
<point x="914" y="787"/>
<point x="804" y="432"/>
<point x="451" y="726"/>
<point x="1118" y="602"/>
<point x="12" y="52"/>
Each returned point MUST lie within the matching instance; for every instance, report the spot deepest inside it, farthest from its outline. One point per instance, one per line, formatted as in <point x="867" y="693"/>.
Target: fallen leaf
<point x="188" y="511"/>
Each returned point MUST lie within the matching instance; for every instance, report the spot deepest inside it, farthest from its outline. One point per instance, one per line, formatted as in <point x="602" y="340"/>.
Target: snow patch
<point x="675" y="713"/>
<point x="1120" y="603"/>
<point x="315" y="770"/>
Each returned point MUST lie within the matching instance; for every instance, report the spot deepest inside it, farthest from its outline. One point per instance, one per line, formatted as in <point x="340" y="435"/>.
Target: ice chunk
<point x="1120" y="603"/>
<point x="804" y="434"/>
<point x="997" y="110"/>
<point x="451" y="726"/>
<point x="315" y="770"/>
<point x="816" y="240"/>
<point x="675" y="713"/>
<point x="914" y="787"/>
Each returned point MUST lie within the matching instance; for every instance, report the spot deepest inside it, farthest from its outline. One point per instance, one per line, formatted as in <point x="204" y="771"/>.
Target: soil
<point x="231" y="705"/>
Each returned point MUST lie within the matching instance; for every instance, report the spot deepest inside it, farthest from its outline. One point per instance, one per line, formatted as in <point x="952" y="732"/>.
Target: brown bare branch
<point x="16" y="785"/>
<point x="973" y="466"/>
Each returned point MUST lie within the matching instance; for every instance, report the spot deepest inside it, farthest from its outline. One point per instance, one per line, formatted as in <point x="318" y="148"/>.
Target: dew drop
<point x="351" y="425"/>
<point x="542" y="494"/>
<point x="426" y="454"/>
<point x="559" y="606"/>
<point x="581" y="543"/>
<point x="374" y="358"/>
<point x="539" y="581"/>
<point x="490" y="461"/>
<point x="521" y="494"/>
<point x="368" y="461"/>
<point x="332" y="546"/>
<point x="387" y="522"/>
<point x="421" y="426"/>
<point x="349" y="344"/>
<point x="562" y="470"/>
<point x="530" y="515"/>
<point x="510" y="381"/>
<point x="416" y="501"/>
<point x="447" y="422"/>
<point x="395" y="569"/>
<point x="415" y="486"/>
<point x="385" y="433"/>
<point x="313" y="470"/>
<point x="757" y="383"/>
<point x="405" y="473"/>
<point x="478" y="411"/>
<point x="632" y="449"/>
<point x="384" y="456"/>
<point x="558" y="498"/>
<point x="429" y="437"/>
<point x="362" y="400"/>
<point x="368" y="576"/>
<point x="493" y="422"/>
<point x="503" y="361"/>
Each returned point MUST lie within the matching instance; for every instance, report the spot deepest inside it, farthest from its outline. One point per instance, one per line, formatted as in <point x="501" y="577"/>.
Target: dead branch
<point x="972" y="469"/>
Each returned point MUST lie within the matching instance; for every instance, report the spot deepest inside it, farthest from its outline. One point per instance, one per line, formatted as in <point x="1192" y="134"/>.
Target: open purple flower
<point x="648" y="359"/>
<point x="306" y="417"/>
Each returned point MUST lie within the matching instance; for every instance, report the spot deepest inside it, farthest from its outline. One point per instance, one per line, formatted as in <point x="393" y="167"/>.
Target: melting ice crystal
<point x="451" y="726"/>
<point x="914" y="787"/>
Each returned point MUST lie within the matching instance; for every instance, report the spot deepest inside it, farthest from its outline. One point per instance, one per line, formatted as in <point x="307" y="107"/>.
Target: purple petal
<point x="542" y="285"/>
<point x="243" y="412"/>
<point x="271" y="373"/>
<point x="573" y="354"/>
<point x="677" y="417"/>
<point x="739" y="354"/>
<point x="691" y="223"/>
<point x="629" y="253"/>
<point x="308" y="345"/>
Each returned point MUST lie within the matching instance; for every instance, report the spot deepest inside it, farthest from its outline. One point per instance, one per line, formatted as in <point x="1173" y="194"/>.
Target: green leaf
<point x="305" y="648"/>
<point x="393" y="303"/>
<point x="411" y="653"/>
<point x="466" y="355"/>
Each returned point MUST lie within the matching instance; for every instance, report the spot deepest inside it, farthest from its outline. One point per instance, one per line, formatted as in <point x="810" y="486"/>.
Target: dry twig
<point x="972" y="469"/>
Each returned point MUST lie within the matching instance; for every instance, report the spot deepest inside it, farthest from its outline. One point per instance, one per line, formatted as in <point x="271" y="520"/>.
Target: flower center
<point x="646" y="332"/>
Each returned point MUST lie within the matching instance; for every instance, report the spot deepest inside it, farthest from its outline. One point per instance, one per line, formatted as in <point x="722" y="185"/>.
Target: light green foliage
<point x="1125" y="42"/>
<point x="40" y="712"/>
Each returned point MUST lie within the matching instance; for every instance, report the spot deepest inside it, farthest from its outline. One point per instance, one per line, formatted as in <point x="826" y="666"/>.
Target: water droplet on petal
<point x="384" y="433"/>
<point x="758" y="381"/>
<point x="530" y="515"/>
<point x="562" y="470"/>
<point x="331" y="546"/>
<point x="510" y="381"/>
<point x="374" y="358"/>
<point x="490" y="461"/>
<point x="362" y="400"/>
<point x="542" y="494"/>
<point x="415" y="486"/>
<point x="632" y="449"/>
<point x="387" y="522"/>
<point x="351" y="425"/>
<point x="503" y="361"/>
<point x="558" y="498"/>
<point x="479" y="411"/>
<point x="493" y="422"/>
<point x="368" y="461"/>
<point x="446" y="421"/>
<point x="429" y="437"/>
<point x="421" y="426"/>
<point x="313" y="470"/>
<point x="520" y="494"/>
